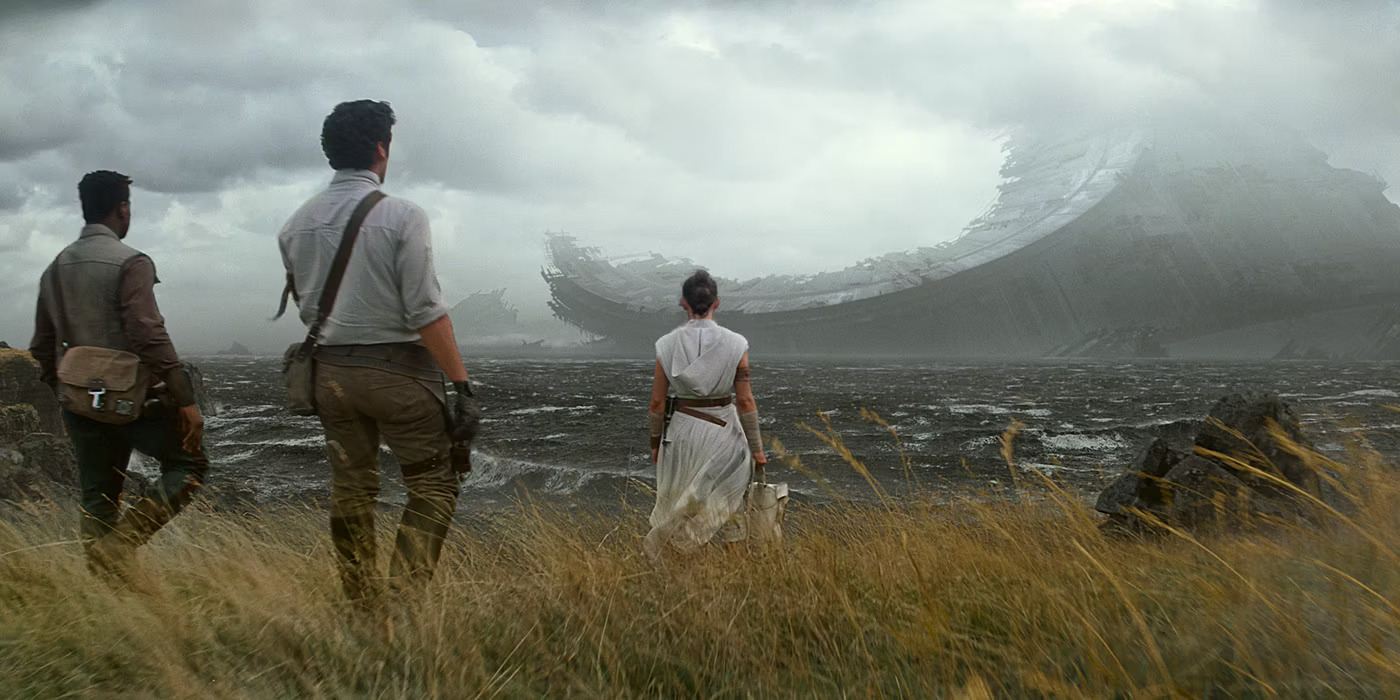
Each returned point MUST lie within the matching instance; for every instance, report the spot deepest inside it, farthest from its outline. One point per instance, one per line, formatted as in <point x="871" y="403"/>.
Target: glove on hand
<point x="466" y="417"/>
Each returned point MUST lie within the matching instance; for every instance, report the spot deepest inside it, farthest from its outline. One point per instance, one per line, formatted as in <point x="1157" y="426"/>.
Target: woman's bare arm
<point x="743" y="390"/>
<point x="657" y="408"/>
<point x="748" y="410"/>
<point x="659" y="386"/>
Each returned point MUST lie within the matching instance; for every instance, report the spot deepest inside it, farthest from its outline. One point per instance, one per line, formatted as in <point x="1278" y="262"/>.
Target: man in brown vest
<point x="100" y="292"/>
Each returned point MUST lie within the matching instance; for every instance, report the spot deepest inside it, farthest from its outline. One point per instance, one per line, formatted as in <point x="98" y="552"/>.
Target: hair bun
<point x="700" y="292"/>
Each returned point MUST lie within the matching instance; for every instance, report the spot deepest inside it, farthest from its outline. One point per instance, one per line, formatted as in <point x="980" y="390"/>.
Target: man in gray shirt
<point x="382" y="353"/>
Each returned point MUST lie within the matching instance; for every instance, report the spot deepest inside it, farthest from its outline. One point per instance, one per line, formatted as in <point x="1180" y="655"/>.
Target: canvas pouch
<point x="105" y="385"/>
<point x="299" y="372"/>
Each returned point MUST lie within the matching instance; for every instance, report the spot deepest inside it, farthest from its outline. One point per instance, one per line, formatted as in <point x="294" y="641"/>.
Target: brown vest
<point x="90" y="270"/>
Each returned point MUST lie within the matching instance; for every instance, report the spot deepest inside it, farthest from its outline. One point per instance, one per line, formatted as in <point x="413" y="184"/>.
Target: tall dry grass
<point x="986" y="597"/>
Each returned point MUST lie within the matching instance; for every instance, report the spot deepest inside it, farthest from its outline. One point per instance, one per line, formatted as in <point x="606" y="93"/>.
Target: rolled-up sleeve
<point x="419" y="290"/>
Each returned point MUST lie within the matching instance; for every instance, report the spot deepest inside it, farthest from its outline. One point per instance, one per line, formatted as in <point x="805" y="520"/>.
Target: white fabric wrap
<point x="703" y="469"/>
<point x="749" y="422"/>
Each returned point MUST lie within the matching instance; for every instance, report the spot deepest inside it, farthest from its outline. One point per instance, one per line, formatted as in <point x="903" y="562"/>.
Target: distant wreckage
<point x="1217" y="240"/>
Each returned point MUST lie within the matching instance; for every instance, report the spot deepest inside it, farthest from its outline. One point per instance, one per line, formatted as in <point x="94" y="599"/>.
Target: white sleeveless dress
<point x="703" y="469"/>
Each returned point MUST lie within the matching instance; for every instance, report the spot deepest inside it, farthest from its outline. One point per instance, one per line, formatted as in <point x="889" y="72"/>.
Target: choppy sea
<point x="575" y="430"/>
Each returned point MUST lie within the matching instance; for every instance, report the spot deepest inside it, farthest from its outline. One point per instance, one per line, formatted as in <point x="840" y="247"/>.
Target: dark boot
<point x="111" y="559"/>
<point x="353" y="539"/>
<point x="432" y="498"/>
<point x="142" y="520"/>
<point x="112" y="556"/>
<point x="419" y="544"/>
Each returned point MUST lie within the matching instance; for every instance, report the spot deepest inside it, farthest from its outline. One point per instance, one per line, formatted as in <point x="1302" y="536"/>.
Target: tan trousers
<point x="358" y="406"/>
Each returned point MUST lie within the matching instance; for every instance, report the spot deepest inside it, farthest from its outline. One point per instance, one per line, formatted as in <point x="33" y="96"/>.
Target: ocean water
<point x="574" y="431"/>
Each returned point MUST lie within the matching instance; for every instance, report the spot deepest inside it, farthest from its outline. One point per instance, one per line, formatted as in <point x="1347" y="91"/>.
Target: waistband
<point x="408" y="359"/>
<point x="715" y="402"/>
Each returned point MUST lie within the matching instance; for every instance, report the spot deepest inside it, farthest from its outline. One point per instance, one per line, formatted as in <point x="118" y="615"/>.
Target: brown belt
<point x="705" y="403"/>
<point x="688" y="406"/>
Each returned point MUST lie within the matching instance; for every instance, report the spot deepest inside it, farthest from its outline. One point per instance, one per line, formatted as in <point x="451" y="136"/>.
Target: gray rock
<point x="1240" y="425"/>
<point x="1140" y="486"/>
<point x="19" y="384"/>
<point x="1206" y="496"/>
<point x="1120" y="495"/>
<point x="1253" y="433"/>
<point x="51" y="458"/>
<point x="1201" y="493"/>
<point x="16" y="422"/>
<point x="41" y="465"/>
<point x="14" y="480"/>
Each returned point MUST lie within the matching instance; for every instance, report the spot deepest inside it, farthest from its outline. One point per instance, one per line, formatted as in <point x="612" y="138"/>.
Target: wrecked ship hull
<point x="1187" y="243"/>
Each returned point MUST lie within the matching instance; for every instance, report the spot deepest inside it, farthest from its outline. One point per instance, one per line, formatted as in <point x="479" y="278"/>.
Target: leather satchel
<point x="299" y="362"/>
<point x="103" y="384"/>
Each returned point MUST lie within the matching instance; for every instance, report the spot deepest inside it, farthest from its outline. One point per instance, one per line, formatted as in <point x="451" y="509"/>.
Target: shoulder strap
<point x="290" y="290"/>
<point x="337" y="271"/>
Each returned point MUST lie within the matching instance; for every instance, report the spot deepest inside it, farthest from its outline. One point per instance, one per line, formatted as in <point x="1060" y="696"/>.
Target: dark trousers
<point x="103" y="451"/>
<point x="360" y="407"/>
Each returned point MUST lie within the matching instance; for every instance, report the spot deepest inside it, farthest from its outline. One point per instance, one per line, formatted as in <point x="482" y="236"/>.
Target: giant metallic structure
<point x="1215" y="239"/>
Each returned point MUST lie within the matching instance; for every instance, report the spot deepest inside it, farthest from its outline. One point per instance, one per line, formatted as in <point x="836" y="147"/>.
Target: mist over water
<point x="574" y="431"/>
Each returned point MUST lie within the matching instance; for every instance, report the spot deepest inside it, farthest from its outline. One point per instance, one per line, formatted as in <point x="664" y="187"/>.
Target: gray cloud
<point x="15" y="10"/>
<point x="752" y="136"/>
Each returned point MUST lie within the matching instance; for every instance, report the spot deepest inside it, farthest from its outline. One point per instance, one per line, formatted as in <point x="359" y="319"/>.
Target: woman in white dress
<point x="710" y="449"/>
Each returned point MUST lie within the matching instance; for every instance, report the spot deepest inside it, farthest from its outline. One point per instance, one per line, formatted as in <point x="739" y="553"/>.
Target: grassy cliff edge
<point x="974" y="599"/>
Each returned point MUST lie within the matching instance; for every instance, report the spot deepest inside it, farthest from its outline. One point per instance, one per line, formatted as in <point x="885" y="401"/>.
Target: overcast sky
<point x="754" y="137"/>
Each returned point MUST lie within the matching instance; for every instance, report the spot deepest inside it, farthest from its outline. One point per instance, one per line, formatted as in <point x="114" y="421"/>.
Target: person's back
<point x="98" y="293"/>
<point x="90" y="271"/>
<point x="390" y="290"/>
<point x="381" y="355"/>
<point x="705" y="438"/>
<point x="700" y="359"/>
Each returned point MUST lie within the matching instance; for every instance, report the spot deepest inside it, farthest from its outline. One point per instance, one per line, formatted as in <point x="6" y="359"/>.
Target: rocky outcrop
<point x="35" y="459"/>
<point x="1247" y="466"/>
<point x="237" y="348"/>
<point x="19" y="384"/>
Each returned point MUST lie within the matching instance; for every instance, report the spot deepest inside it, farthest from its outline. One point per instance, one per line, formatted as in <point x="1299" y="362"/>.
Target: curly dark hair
<point x="101" y="192"/>
<point x="351" y="131"/>
<point x="700" y="291"/>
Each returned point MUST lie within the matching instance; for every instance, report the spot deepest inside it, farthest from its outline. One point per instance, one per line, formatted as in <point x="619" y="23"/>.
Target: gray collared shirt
<point x="390" y="289"/>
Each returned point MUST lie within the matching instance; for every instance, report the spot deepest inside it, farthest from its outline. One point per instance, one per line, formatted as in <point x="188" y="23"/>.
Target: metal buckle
<point x="97" y="395"/>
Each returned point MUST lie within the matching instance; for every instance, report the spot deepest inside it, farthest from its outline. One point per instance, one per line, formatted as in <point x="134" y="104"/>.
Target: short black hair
<point x="101" y="192"/>
<point x="351" y="131"/>
<point x="700" y="291"/>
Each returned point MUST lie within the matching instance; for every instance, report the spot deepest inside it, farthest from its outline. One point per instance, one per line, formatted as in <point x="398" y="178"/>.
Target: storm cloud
<point x="755" y="137"/>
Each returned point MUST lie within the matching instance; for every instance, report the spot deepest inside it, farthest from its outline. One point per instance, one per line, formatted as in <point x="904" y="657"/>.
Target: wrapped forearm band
<point x="656" y="424"/>
<point x="750" y="423"/>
